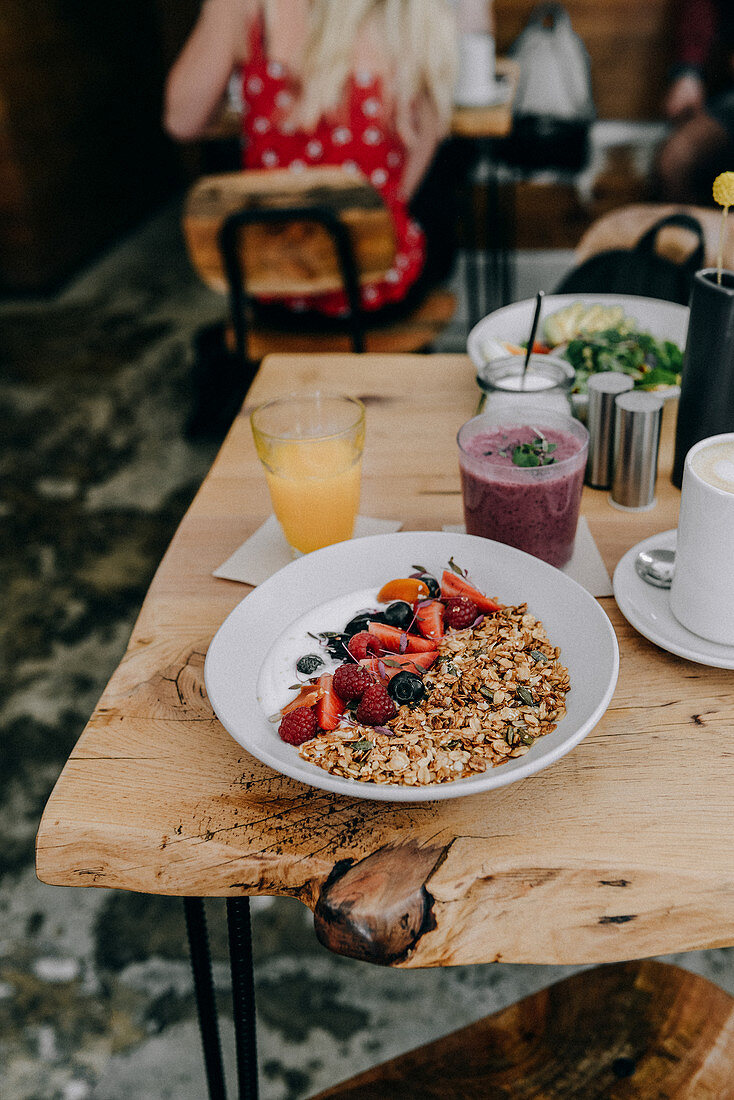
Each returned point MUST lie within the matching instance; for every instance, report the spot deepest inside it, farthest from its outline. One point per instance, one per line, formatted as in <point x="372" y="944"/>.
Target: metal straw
<point x="533" y="330"/>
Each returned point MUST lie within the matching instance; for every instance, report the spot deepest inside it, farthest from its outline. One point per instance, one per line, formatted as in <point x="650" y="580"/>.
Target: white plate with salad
<point x="642" y="337"/>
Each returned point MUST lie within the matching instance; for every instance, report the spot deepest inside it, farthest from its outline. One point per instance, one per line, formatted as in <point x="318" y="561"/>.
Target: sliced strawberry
<point x="391" y="638"/>
<point x="330" y="707"/>
<point x="410" y="662"/>
<point x="392" y="663"/>
<point x="429" y="619"/>
<point x="454" y="585"/>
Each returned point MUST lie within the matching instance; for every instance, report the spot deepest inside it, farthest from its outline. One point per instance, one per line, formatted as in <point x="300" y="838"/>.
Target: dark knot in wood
<point x="378" y="909"/>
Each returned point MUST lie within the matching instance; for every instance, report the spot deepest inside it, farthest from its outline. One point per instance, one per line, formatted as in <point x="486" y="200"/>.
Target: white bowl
<point x="245" y="672"/>
<point x="664" y="320"/>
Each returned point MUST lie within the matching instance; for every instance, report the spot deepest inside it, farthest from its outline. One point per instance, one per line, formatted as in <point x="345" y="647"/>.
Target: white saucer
<point x="647" y="609"/>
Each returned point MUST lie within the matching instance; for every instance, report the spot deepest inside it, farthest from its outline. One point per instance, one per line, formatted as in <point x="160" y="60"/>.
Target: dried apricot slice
<point x="307" y="696"/>
<point x="403" y="588"/>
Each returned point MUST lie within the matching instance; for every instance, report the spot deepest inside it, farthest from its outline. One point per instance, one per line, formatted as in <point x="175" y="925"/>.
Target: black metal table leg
<point x="507" y="245"/>
<point x="243" y="995"/>
<point x="205" y="1000"/>
<point x="492" y="232"/>
<point x="471" y="259"/>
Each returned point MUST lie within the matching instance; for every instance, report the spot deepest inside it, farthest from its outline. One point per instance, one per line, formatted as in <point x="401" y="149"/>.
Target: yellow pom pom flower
<point x="724" y="189"/>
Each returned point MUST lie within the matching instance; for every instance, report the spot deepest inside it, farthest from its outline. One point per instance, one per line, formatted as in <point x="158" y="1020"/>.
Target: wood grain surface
<point x="621" y="849"/>
<point x="298" y="257"/>
<point x="632" y="1031"/>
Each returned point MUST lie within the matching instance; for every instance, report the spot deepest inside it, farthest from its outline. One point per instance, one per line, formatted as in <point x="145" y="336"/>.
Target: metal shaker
<point x="603" y="389"/>
<point x="636" y="441"/>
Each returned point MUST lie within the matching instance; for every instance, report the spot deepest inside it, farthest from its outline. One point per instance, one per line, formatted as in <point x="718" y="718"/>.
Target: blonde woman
<point x="366" y="84"/>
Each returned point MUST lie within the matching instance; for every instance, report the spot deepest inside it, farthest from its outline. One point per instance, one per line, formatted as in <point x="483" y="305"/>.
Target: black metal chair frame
<point x="229" y="243"/>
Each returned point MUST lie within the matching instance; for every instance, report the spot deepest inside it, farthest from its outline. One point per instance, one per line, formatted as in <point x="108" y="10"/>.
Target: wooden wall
<point x="630" y="43"/>
<point x="82" y="154"/>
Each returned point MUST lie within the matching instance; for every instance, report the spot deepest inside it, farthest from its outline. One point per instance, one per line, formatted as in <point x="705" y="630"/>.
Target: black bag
<point x="554" y="106"/>
<point x="640" y="270"/>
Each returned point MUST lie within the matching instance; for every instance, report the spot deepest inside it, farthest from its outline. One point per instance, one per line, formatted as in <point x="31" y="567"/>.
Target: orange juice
<point x="314" y="488"/>
<point x="311" y="448"/>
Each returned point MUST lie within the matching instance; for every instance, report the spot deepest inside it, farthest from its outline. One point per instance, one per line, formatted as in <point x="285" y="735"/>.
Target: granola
<point x="495" y="688"/>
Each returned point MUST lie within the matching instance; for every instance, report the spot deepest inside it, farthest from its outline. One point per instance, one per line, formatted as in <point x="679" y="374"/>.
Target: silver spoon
<point x="656" y="566"/>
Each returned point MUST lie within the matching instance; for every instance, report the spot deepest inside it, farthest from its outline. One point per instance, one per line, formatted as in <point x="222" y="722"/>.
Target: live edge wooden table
<point x="620" y="850"/>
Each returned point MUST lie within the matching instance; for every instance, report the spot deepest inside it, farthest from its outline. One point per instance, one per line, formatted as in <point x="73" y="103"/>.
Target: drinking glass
<point x="532" y="507"/>
<point x="311" y="447"/>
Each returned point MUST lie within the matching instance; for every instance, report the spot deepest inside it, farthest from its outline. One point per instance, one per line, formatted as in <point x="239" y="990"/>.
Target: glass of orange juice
<point x="311" y="448"/>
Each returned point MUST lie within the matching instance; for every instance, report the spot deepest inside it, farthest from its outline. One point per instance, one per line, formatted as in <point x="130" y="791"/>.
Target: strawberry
<point x="298" y="725"/>
<point x="429" y="619"/>
<point x="391" y="638"/>
<point x="460" y="612"/>
<point x="391" y="663"/>
<point x="375" y="706"/>
<point x="351" y="681"/>
<point x="330" y="707"/>
<point x="362" y="644"/>
<point x="454" y="585"/>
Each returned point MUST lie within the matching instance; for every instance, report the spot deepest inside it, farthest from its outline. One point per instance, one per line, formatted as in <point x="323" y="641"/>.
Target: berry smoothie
<point x="522" y="483"/>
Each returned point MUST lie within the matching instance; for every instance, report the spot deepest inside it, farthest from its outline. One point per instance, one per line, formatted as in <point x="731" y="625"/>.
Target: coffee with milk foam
<point x="715" y="465"/>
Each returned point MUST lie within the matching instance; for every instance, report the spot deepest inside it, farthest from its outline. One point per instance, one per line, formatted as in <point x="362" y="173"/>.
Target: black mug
<point x="706" y="405"/>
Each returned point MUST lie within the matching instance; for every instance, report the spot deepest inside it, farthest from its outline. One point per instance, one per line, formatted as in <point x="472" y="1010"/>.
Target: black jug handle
<point x="646" y="243"/>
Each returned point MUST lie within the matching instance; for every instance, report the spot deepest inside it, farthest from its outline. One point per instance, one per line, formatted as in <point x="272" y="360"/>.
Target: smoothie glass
<point x="311" y="447"/>
<point x="532" y="507"/>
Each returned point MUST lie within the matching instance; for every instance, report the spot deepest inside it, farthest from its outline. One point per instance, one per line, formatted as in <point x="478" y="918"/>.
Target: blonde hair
<point x="419" y="42"/>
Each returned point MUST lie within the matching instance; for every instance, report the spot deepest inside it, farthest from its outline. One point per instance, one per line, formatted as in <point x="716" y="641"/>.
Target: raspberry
<point x="351" y="681"/>
<point x="375" y="706"/>
<point x="460" y="612"/>
<point x="362" y="644"/>
<point x="298" y="725"/>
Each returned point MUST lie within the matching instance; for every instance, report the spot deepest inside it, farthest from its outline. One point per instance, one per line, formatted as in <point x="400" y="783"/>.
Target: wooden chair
<point x="622" y="228"/>
<point x="276" y="232"/>
<point x="637" y="1030"/>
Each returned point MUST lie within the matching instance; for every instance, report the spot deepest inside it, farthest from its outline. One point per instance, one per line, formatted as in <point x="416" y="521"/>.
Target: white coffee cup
<point x="476" y="80"/>
<point x="702" y="593"/>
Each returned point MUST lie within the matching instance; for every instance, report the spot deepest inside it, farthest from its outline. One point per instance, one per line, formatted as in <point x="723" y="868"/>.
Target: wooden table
<point x="620" y="850"/>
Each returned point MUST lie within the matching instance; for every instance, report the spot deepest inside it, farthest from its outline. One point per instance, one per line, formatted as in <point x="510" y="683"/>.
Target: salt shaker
<point x="636" y="441"/>
<point x="603" y="389"/>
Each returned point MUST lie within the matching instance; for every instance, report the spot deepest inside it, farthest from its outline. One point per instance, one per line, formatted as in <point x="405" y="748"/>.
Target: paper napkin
<point x="586" y="565"/>
<point x="265" y="552"/>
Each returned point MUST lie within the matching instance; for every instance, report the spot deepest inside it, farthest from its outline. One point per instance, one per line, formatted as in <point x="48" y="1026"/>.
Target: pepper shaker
<point x="636" y="441"/>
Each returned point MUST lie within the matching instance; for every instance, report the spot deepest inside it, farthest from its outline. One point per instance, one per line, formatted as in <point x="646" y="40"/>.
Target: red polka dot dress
<point x="364" y="140"/>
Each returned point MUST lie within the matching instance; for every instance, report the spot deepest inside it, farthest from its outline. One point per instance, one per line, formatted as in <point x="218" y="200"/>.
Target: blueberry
<point x="406" y="687"/>
<point x="307" y="665"/>
<point x="360" y="621"/>
<point x="399" y="614"/>
<point x="336" y="646"/>
<point x="434" y="588"/>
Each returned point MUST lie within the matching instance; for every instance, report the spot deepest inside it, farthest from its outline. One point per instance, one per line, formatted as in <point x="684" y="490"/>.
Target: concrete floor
<point x="95" y="988"/>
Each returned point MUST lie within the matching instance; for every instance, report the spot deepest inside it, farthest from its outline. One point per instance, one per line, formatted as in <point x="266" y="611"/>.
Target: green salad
<point x="600" y="338"/>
